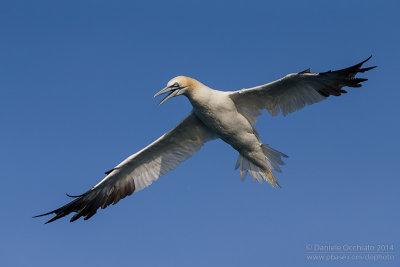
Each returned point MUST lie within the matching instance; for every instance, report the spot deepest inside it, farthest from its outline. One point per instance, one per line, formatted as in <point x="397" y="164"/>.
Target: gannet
<point x="230" y="116"/>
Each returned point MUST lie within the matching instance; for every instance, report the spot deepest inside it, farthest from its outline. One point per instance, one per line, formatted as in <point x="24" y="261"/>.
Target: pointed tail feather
<point x="273" y="158"/>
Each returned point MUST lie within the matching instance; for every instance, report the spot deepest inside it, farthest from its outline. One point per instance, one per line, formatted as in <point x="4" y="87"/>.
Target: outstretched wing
<point x="294" y="91"/>
<point x="140" y="170"/>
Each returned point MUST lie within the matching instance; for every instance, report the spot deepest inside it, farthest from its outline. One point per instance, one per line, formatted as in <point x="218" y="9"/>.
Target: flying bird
<point x="230" y="116"/>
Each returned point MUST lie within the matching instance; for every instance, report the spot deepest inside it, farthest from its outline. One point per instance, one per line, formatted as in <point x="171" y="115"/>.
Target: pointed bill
<point x="173" y="92"/>
<point x="163" y="91"/>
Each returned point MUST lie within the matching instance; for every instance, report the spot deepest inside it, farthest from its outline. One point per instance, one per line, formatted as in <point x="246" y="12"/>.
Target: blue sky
<point x="76" y="86"/>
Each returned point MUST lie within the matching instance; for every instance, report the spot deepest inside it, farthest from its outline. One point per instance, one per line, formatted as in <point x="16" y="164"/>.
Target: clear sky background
<point x="77" y="80"/>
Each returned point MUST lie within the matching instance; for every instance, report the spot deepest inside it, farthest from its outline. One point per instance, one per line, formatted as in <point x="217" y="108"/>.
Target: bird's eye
<point x="175" y="85"/>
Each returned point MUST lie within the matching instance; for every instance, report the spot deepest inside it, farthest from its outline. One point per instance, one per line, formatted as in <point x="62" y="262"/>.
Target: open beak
<point x="172" y="92"/>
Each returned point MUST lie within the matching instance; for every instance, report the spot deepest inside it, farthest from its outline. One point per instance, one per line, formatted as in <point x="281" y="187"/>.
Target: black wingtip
<point x="364" y="69"/>
<point x="353" y="70"/>
<point x="51" y="220"/>
<point x="361" y="63"/>
<point x="44" y="214"/>
<point x="305" y="71"/>
<point x="72" y="196"/>
<point x="366" y="59"/>
<point x="367" y="69"/>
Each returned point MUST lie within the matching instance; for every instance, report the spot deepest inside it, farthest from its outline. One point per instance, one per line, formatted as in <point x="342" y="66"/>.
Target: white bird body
<point x="218" y="112"/>
<point x="229" y="116"/>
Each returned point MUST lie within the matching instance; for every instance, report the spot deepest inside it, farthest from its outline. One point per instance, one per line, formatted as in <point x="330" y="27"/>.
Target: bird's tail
<point x="273" y="158"/>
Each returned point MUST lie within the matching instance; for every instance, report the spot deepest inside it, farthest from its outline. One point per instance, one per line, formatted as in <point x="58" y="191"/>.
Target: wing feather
<point x="296" y="91"/>
<point x="140" y="170"/>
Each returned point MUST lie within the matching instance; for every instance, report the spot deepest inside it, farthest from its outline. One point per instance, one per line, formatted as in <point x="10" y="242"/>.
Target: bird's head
<point x="180" y="85"/>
